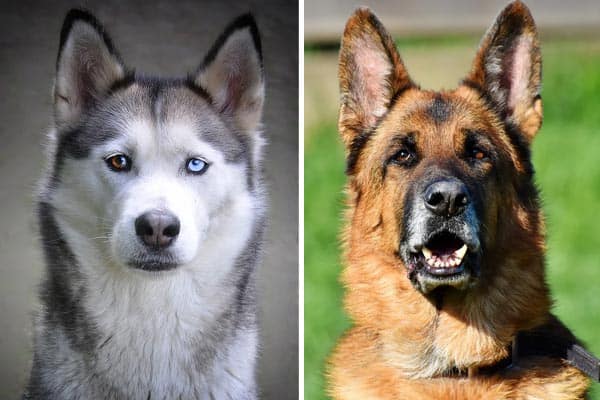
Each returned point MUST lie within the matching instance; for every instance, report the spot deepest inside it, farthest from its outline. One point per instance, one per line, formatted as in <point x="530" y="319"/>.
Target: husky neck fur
<point x="159" y="307"/>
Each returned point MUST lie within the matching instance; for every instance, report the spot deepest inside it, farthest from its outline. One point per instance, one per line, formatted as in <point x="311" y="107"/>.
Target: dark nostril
<point x="143" y="226"/>
<point x="434" y="198"/>
<point x="172" y="229"/>
<point x="157" y="228"/>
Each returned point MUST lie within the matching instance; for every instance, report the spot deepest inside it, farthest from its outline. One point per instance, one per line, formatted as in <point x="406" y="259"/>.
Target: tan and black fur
<point x="421" y="334"/>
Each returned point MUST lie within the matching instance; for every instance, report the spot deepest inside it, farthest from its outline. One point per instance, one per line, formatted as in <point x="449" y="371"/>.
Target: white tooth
<point x="426" y="252"/>
<point x="460" y="253"/>
<point x="438" y="263"/>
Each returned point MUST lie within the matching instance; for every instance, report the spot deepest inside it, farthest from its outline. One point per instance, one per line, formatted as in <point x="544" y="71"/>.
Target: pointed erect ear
<point x="508" y="68"/>
<point x="371" y="74"/>
<point x="232" y="73"/>
<point x="86" y="67"/>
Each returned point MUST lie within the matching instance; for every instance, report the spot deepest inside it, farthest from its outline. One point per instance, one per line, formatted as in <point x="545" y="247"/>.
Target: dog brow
<point x="439" y="110"/>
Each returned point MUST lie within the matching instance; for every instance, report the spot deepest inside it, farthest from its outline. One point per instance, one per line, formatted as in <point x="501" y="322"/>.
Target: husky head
<point x="151" y="173"/>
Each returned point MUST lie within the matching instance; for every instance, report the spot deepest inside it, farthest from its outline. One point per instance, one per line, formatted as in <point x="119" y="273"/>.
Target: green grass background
<point x="566" y="155"/>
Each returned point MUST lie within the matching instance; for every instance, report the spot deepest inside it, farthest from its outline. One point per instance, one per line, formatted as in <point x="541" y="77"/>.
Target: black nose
<point x="157" y="228"/>
<point x="448" y="197"/>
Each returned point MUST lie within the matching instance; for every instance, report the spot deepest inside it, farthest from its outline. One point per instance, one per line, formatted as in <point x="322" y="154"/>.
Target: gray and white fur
<point x="151" y="216"/>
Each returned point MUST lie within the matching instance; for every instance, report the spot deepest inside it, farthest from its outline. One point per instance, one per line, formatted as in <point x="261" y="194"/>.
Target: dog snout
<point x="447" y="197"/>
<point x="157" y="228"/>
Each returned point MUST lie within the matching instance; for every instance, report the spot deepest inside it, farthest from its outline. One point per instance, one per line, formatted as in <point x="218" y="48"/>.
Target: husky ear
<point x="86" y="67"/>
<point x="232" y="73"/>
<point x="371" y="74"/>
<point x="508" y="68"/>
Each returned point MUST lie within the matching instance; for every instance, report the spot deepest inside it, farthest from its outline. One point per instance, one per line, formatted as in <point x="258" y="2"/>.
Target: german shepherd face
<point x="443" y="180"/>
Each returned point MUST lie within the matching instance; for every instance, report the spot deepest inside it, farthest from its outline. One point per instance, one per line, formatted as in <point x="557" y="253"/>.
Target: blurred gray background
<point x="155" y="37"/>
<point x="324" y="20"/>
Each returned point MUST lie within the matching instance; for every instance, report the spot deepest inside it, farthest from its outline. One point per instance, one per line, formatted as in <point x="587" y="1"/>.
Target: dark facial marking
<point x="476" y="142"/>
<point x="198" y="90"/>
<point x="484" y="96"/>
<point x="439" y="110"/>
<point x="358" y="143"/>
<point x="409" y="204"/>
<point x="360" y="140"/>
<point x="403" y="152"/>
<point x="64" y="303"/>
<point x="123" y="83"/>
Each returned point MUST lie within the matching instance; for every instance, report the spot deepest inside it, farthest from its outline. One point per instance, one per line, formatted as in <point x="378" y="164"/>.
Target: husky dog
<point x="152" y="213"/>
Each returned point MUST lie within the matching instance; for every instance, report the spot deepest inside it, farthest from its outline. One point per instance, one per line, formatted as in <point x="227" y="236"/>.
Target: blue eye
<point x="196" y="166"/>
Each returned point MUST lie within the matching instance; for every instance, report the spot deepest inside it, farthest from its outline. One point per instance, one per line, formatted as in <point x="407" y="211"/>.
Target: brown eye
<point x="403" y="157"/>
<point x="477" y="153"/>
<point x="478" y="148"/>
<point x="119" y="163"/>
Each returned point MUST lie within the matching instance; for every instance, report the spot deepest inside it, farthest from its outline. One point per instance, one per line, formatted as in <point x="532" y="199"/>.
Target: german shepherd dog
<point x="444" y="244"/>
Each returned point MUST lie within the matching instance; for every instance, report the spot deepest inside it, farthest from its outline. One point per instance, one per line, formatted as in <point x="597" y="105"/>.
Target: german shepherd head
<point x="443" y="180"/>
<point x="444" y="244"/>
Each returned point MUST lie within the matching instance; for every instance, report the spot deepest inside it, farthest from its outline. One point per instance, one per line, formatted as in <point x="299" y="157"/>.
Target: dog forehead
<point x="435" y="116"/>
<point x="184" y="112"/>
<point x="169" y="115"/>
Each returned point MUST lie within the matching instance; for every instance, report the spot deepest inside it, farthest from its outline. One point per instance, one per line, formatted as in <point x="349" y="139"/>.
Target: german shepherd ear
<point x="232" y="73"/>
<point x="508" y="67"/>
<point x="86" y="67"/>
<point x="371" y="74"/>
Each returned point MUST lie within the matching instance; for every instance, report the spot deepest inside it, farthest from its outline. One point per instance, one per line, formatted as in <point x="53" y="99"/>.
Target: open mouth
<point x="444" y="259"/>
<point x="443" y="254"/>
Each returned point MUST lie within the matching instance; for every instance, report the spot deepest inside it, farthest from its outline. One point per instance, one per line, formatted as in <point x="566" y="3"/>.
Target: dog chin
<point x="424" y="281"/>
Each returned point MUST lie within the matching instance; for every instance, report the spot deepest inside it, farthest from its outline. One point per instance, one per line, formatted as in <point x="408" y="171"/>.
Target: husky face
<point x="156" y="181"/>
<point x="146" y="169"/>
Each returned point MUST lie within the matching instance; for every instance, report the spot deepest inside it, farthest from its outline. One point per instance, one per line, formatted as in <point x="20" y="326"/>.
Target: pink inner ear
<point x="233" y="91"/>
<point x="520" y="73"/>
<point x="370" y="78"/>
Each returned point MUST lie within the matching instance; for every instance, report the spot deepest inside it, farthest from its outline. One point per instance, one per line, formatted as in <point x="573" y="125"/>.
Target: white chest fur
<point x="152" y="325"/>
